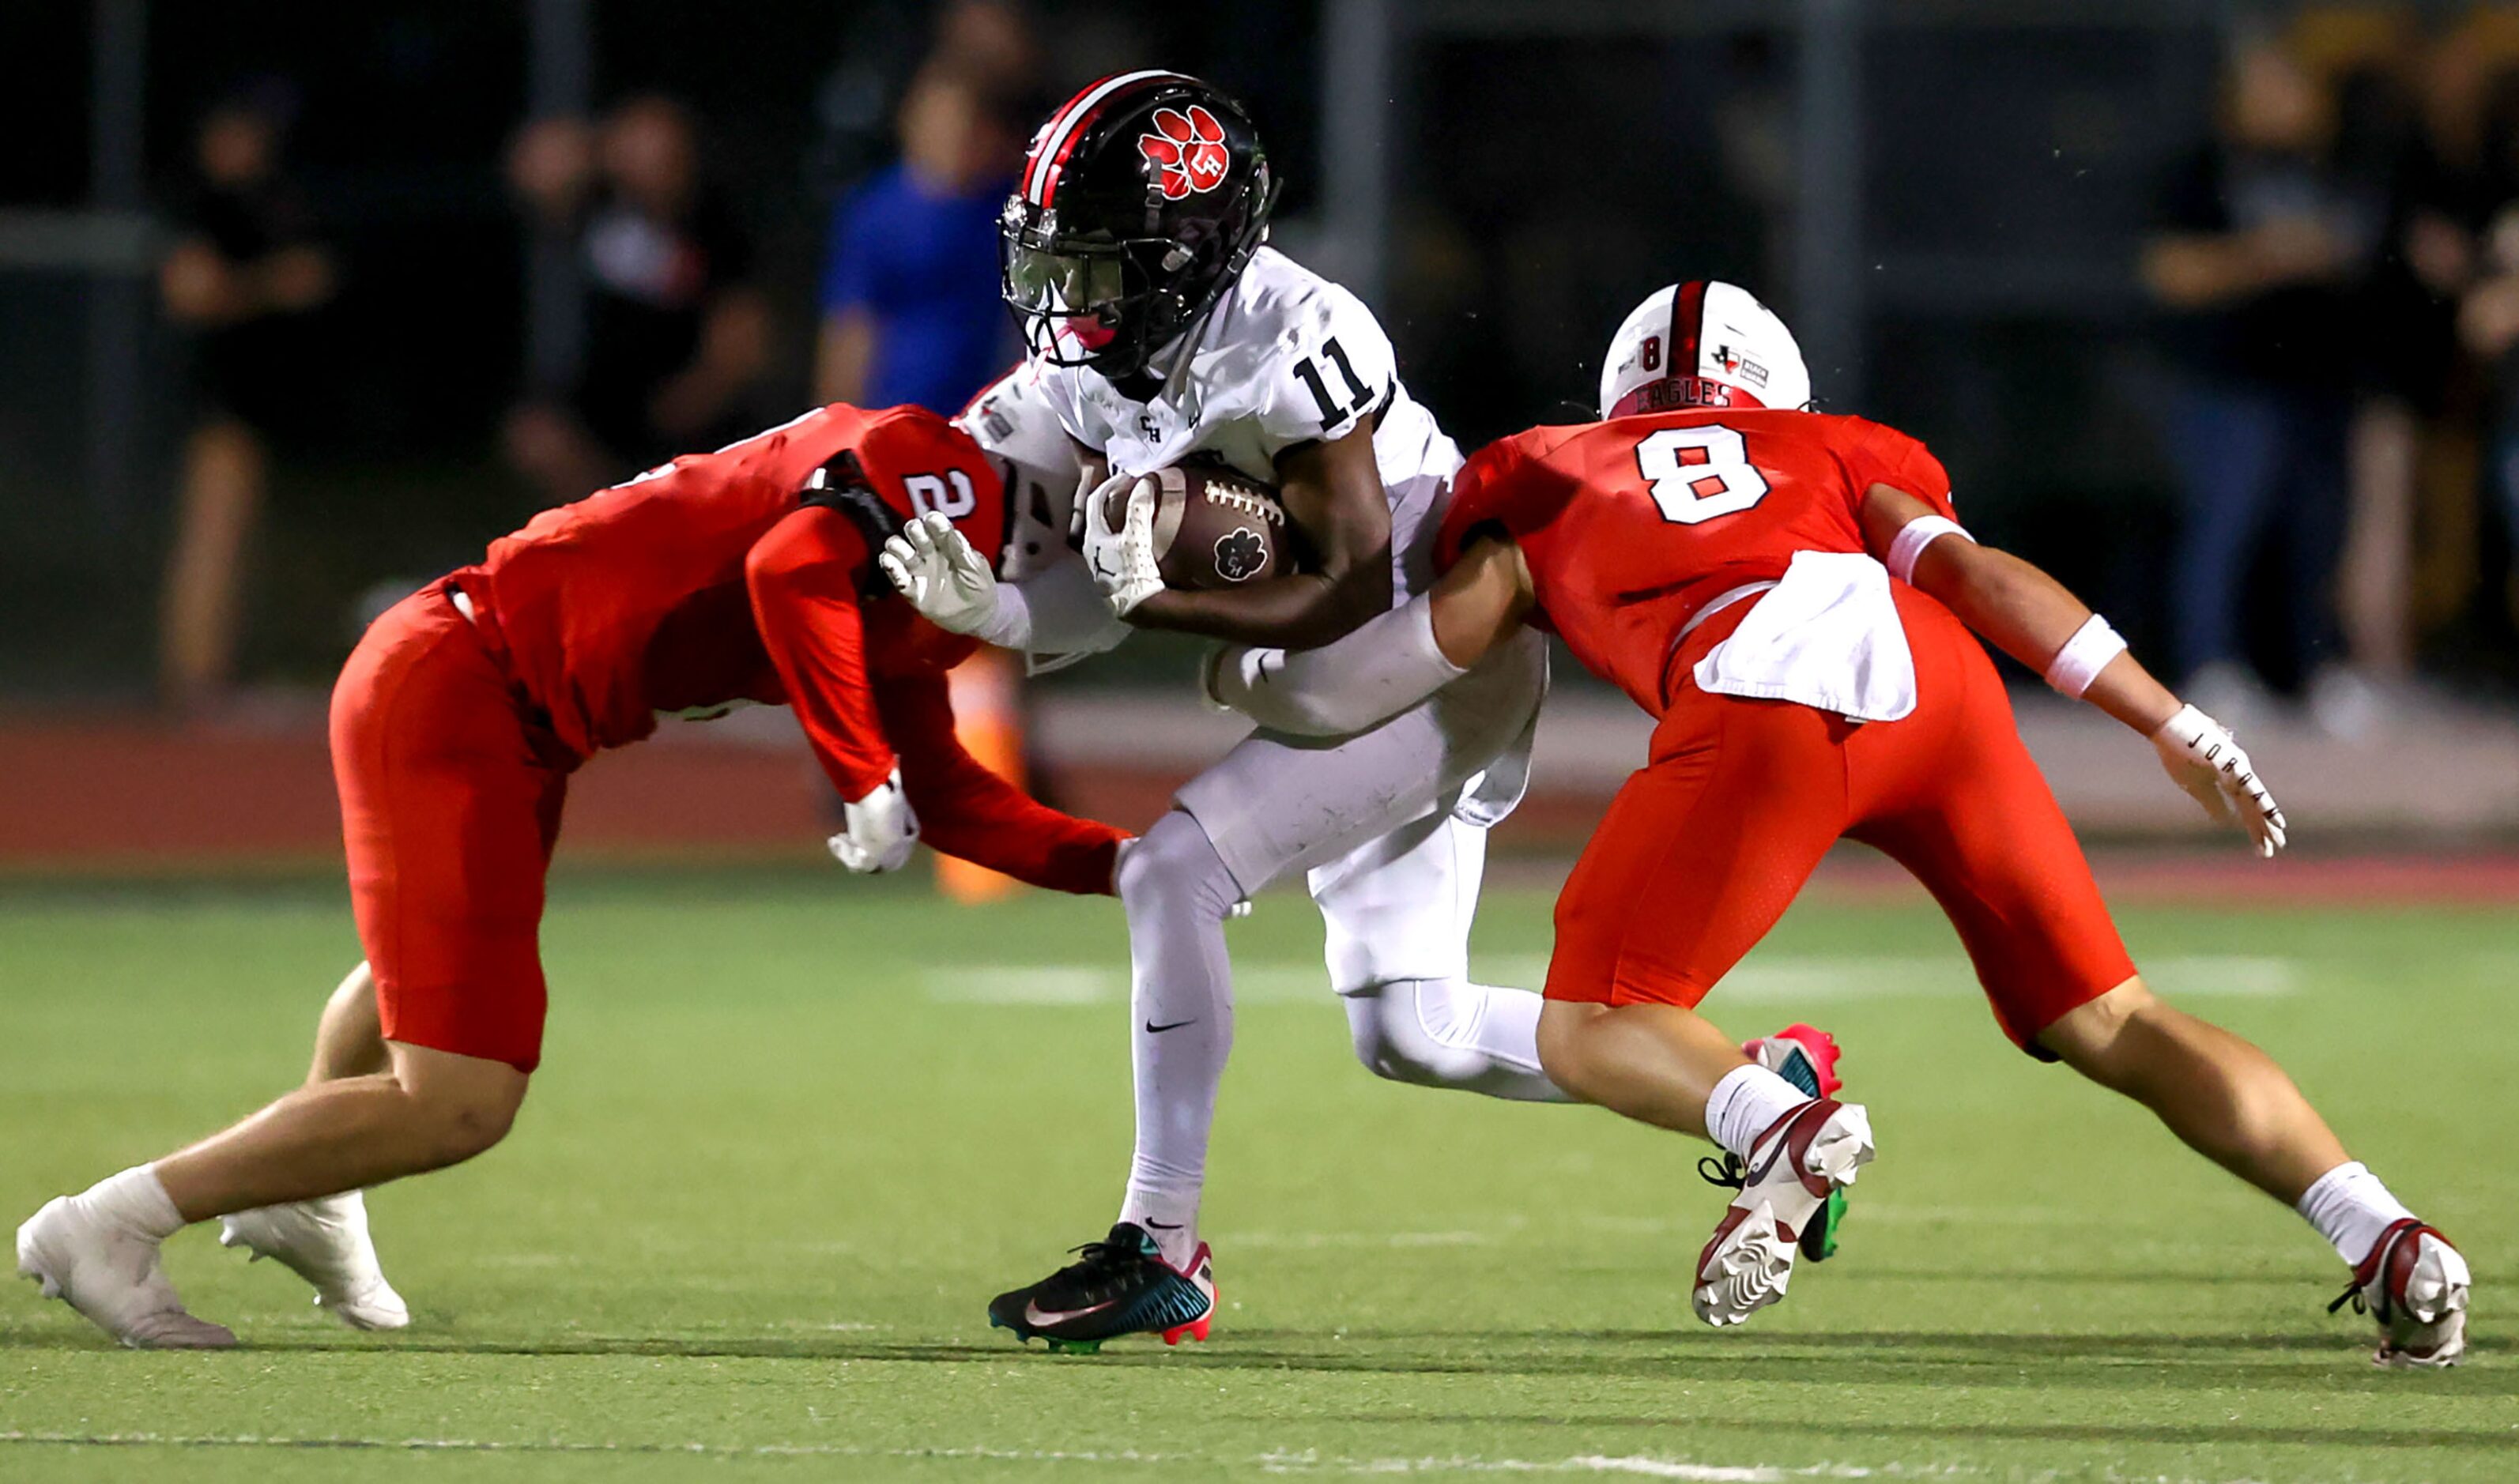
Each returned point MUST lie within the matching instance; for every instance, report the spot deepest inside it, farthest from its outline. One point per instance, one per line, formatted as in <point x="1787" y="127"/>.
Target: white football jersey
<point x="1012" y="421"/>
<point x="1287" y="358"/>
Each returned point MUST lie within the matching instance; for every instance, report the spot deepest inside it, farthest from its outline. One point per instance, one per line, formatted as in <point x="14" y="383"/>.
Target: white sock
<point x="1169" y="1214"/>
<point x="1176" y="891"/>
<point x="136" y="1201"/>
<point x="2351" y="1208"/>
<point x="1745" y="1104"/>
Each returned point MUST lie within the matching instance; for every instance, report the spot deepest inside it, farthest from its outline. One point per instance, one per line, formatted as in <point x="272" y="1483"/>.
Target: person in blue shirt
<point x="910" y="311"/>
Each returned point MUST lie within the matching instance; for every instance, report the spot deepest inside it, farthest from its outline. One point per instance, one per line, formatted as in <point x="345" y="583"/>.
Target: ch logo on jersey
<point x="1188" y="152"/>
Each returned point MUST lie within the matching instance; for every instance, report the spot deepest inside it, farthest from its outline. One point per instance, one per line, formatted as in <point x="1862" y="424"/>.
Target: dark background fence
<point x="1950" y="201"/>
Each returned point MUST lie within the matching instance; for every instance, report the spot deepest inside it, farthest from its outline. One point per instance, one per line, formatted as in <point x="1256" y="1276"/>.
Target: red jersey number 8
<point x="1698" y="473"/>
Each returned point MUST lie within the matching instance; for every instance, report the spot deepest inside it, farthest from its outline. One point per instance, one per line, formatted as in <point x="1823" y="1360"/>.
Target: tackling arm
<point x="1389" y="664"/>
<point x="802" y="581"/>
<point x="970" y="813"/>
<point x="2030" y="616"/>
<point x="802" y="578"/>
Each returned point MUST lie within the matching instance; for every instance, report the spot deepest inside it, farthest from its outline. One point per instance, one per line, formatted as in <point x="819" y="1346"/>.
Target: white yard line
<point x="488" y="1445"/>
<point x="1648" y="1467"/>
<point x="1280" y="1462"/>
<point x="1312" y="1241"/>
<point x="1774" y="979"/>
<point x="1276" y="1461"/>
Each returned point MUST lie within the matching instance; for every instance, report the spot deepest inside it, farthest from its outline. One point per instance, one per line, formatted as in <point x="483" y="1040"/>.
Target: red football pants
<point x="1703" y="848"/>
<point x="450" y="804"/>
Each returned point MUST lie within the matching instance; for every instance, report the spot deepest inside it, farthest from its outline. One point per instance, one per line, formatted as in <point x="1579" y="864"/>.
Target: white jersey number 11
<point x="1698" y="473"/>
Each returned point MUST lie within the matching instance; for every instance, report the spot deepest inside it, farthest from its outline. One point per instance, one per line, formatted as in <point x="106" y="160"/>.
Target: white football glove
<point x="1122" y="559"/>
<point x="943" y="574"/>
<point x="877" y="832"/>
<point x="2203" y="759"/>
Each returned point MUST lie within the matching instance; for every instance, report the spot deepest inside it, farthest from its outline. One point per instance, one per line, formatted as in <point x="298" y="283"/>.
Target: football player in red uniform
<point x="1792" y="596"/>
<point x="746" y="575"/>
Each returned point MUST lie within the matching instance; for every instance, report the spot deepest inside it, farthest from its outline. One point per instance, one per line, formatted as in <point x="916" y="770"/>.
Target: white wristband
<point x="1914" y="537"/>
<point x="2084" y="656"/>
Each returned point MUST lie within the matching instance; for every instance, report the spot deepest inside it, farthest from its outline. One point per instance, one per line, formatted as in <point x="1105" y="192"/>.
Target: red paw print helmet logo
<point x="1188" y="152"/>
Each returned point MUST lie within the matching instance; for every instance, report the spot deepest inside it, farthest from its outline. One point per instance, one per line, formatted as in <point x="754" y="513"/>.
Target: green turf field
<point x="794" y="1130"/>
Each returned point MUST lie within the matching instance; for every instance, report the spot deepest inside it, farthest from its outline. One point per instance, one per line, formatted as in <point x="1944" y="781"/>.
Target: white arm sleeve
<point x="1057" y="610"/>
<point x="1379" y="671"/>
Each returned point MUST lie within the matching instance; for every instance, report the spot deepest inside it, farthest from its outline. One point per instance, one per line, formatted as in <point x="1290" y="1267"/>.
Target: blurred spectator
<point x="245" y="274"/>
<point x="2257" y="241"/>
<point x="910" y="310"/>
<point x="856" y="108"/>
<point x="2487" y="318"/>
<point x="2403" y="350"/>
<point x="677" y="338"/>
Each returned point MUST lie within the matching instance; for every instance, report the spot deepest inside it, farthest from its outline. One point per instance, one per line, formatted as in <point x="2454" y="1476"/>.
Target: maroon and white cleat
<point x="1804" y="1158"/>
<point x="2414" y="1284"/>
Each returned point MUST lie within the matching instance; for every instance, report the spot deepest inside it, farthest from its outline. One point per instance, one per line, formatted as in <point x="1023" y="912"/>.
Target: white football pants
<point x="1377" y="821"/>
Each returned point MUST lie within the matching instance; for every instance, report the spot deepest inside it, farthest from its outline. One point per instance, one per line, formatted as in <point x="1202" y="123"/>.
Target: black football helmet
<point x="1141" y="200"/>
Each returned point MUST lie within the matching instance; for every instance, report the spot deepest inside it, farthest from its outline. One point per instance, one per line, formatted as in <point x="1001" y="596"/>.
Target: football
<point x="1216" y="527"/>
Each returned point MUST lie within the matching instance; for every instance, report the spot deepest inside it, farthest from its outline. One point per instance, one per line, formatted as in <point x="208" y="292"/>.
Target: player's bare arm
<point x="1332" y="492"/>
<point x="2017" y="607"/>
<point x="1481" y="601"/>
<point x="2036" y="620"/>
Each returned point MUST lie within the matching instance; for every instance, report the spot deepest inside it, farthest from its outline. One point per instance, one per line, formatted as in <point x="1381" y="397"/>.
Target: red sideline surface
<point x="127" y="794"/>
<point x="105" y="795"/>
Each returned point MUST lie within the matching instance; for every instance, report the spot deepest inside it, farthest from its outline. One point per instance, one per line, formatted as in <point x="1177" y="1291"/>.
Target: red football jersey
<point x="722" y="578"/>
<point x="1630" y="526"/>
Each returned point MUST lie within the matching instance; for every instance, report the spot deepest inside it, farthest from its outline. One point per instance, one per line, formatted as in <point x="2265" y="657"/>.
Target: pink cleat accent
<point x="1820" y="1046"/>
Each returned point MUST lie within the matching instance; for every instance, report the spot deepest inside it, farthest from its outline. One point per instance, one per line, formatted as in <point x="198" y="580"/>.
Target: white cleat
<point x="110" y="1273"/>
<point x="325" y="1242"/>
<point x="2414" y="1284"/>
<point x="1808" y="1153"/>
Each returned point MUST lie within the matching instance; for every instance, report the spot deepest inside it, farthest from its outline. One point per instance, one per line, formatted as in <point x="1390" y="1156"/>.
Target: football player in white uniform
<point x="1161" y="330"/>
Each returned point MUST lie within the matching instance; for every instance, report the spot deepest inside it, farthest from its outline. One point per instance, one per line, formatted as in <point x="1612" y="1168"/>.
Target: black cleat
<point x="1118" y="1286"/>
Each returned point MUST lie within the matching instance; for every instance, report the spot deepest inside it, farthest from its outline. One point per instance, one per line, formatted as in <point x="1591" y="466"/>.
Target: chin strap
<point x="1175" y="377"/>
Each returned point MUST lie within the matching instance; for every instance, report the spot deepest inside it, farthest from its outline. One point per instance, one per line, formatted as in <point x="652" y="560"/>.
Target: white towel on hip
<point x="1828" y="637"/>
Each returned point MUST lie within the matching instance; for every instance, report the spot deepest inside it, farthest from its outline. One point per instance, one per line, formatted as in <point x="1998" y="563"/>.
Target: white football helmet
<point x="1702" y="345"/>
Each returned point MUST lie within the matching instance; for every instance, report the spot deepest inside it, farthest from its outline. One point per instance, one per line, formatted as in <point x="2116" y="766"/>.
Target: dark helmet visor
<point x="1039" y="281"/>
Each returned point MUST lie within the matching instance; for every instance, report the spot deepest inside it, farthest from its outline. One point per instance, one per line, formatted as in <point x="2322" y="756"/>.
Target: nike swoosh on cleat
<point x="1036" y="1318"/>
<point x="1154" y="1030"/>
<point x="1763" y="1160"/>
<point x="1164" y="1226"/>
<point x="1784" y="1144"/>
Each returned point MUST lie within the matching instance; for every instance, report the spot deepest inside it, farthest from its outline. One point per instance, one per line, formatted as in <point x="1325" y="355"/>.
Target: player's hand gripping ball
<point x="1206" y="526"/>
